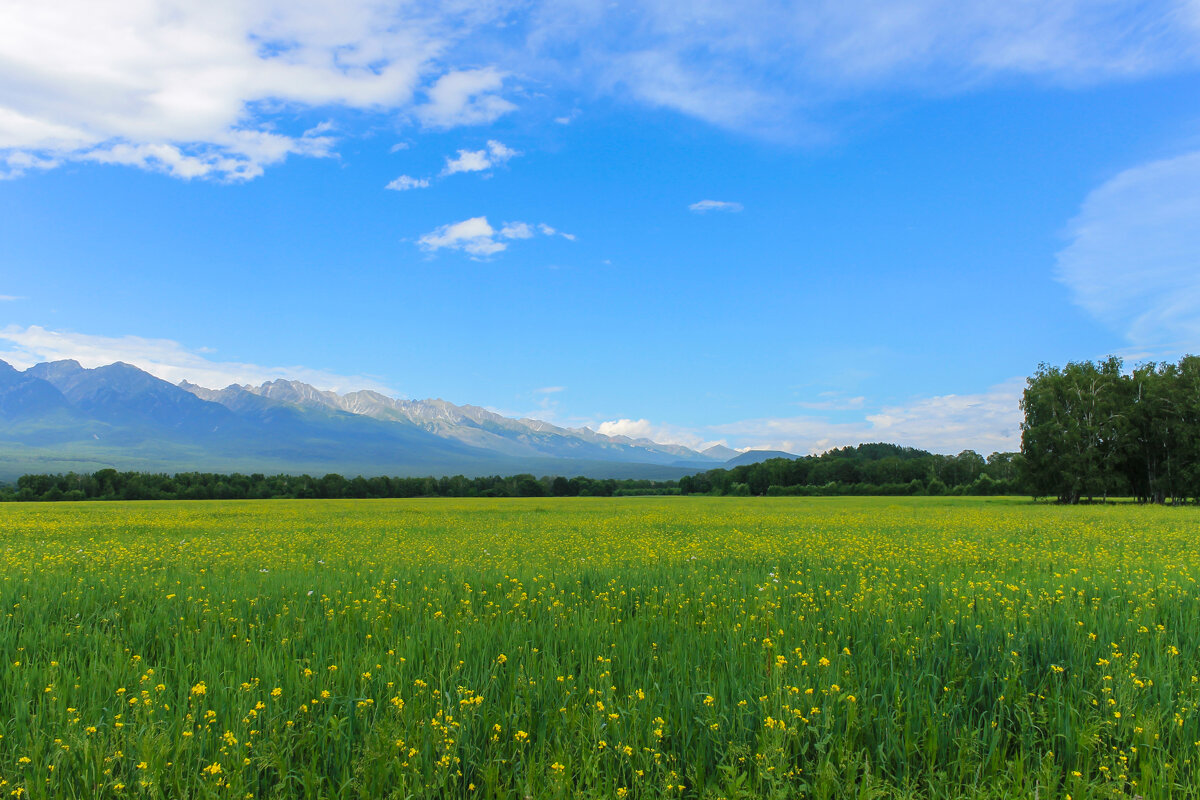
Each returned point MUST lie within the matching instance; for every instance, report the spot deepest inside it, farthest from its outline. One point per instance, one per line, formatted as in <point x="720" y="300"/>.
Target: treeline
<point x="867" y="469"/>
<point x="109" y="484"/>
<point x="1091" y="432"/>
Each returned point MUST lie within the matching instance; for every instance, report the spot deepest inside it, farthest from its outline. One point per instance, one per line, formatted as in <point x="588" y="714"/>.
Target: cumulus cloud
<point x="198" y="91"/>
<point x="655" y="432"/>
<point x="1134" y="256"/>
<point x="704" y="206"/>
<point x="477" y="237"/>
<point x="406" y="182"/>
<point x="495" y="154"/>
<point x="465" y="97"/>
<point x="164" y="358"/>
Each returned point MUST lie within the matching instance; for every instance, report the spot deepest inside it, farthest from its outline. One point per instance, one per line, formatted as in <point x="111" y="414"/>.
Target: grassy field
<point x="639" y="648"/>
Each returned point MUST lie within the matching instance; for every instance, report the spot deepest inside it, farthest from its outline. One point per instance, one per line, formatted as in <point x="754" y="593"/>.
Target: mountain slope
<point x="720" y="451"/>
<point x="478" y="426"/>
<point x="755" y="456"/>
<point x="23" y="395"/>
<point x="118" y="415"/>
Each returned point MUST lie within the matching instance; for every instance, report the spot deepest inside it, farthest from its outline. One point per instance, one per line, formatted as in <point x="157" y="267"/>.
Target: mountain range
<point x="58" y="416"/>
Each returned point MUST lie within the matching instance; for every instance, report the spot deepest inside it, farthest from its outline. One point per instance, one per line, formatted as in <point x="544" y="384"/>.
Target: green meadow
<point x="600" y="648"/>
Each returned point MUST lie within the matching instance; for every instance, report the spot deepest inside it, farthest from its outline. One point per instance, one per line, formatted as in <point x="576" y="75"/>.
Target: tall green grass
<point x="640" y="648"/>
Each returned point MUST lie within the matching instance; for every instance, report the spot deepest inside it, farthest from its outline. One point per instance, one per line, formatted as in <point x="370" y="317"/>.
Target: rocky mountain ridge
<point x="119" y="415"/>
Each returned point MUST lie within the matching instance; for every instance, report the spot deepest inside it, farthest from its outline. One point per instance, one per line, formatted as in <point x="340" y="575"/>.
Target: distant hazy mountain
<point x="720" y="451"/>
<point x="24" y="396"/>
<point x="59" y="416"/>
<point x="755" y="456"/>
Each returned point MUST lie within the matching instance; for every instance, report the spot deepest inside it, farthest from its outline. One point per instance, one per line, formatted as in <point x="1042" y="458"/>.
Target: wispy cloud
<point x="477" y="237"/>
<point x="549" y="231"/>
<point x="495" y="154"/>
<point x="704" y="206"/>
<point x="1134" y="257"/>
<point x="9" y="298"/>
<point x="984" y="421"/>
<point x="517" y="230"/>
<point x="833" y="401"/>
<point x="164" y="358"/>
<point x="406" y="182"/>
<point x="762" y="66"/>
<point x="550" y="390"/>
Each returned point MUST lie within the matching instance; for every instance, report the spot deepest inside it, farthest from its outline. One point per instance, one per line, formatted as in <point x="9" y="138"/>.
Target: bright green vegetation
<point x="641" y="648"/>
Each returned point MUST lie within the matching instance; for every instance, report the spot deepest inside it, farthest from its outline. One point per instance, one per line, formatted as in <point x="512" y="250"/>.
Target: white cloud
<point x="516" y="230"/>
<point x="660" y="433"/>
<point x="495" y="154"/>
<point x="984" y="422"/>
<point x="406" y="182"/>
<point x="210" y="90"/>
<point x="9" y="298"/>
<point x="549" y="231"/>
<point x="550" y="390"/>
<point x="950" y="423"/>
<point x="763" y="66"/>
<point x="499" y="152"/>
<point x="478" y="238"/>
<point x="465" y="97"/>
<point x="467" y="161"/>
<point x="245" y="164"/>
<point x="1134" y="257"/>
<point x="704" y="206"/>
<point x="474" y="236"/>
<point x="163" y="358"/>
<point x="834" y="402"/>
<point x="199" y="90"/>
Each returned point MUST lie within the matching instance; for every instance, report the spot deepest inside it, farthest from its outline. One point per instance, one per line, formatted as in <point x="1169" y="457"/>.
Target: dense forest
<point x="108" y="484"/>
<point x="866" y="469"/>
<point x="1093" y="432"/>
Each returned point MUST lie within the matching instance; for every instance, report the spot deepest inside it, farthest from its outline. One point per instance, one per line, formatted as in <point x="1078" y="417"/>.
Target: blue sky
<point x="768" y="226"/>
